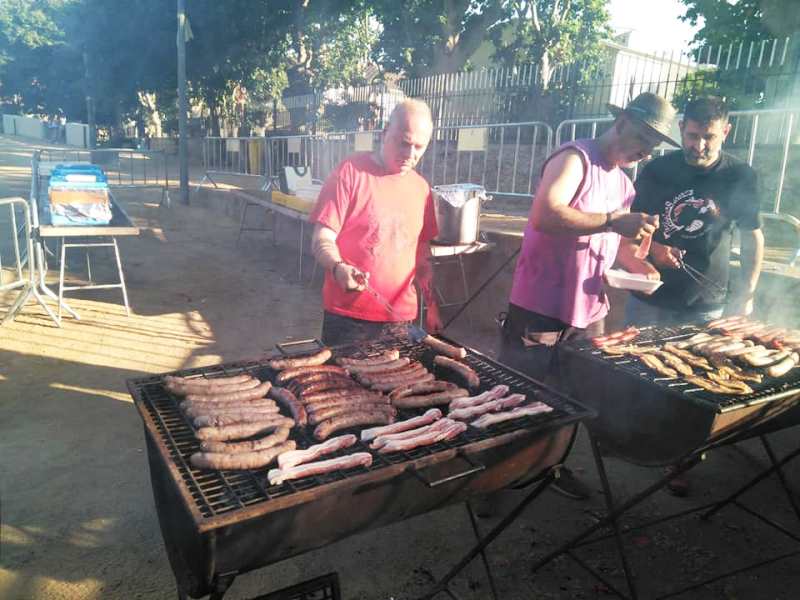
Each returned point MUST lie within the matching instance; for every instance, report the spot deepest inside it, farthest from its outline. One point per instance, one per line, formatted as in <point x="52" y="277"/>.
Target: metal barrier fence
<point x="125" y="168"/>
<point x="504" y="158"/>
<point x="15" y="238"/>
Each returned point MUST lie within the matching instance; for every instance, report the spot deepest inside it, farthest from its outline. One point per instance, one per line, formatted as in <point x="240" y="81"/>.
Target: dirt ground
<point x="77" y="514"/>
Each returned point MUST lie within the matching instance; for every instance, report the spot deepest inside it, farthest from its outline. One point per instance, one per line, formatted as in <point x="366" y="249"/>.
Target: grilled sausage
<point x="280" y="435"/>
<point x="215" y="407"/>
<point x="464" y="371"/>
<point x="243" y="460"/>
<point x="237" y="431"/>
<point x="368" y="417"/>
<point x="717" y="323"/>
<point x="434" y="399"/>
<point x="421" y="388"/>
<point x="244" y="412"/>
<point x="392" y="365"/>
<point x="199" y="385"/>
<point x="323" y="414"/>
<point x="310" y="360"/>
<point x="392" y="385"/>
<point x="355" y="399"/>
<point x="349" y="461"/>
<point x="783" y="367"/>
<point x="289" y="373"/>
<point x="235" y="396"/>
<point x="294" y="458"/>
<point x="330" y="384"/>
<point x="222" y="420"/>
<point x="441" y="347"/>
<point x="307" y="378"/>
<point x="288" y="400"/>
<point x="711" y="386"/>
<point x="411" y="372"/>
<point x="382" y="358"/>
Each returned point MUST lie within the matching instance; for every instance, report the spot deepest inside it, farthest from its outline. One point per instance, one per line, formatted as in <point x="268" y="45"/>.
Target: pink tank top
<point x="561" y="276"/>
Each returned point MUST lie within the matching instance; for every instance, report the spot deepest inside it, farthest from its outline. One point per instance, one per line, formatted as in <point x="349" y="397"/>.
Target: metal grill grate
<point x="216" y="493"/>
<point x="768" y="390"/>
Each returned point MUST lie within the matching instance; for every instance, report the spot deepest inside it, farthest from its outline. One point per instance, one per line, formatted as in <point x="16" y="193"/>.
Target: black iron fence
<point x="752" y="75"/>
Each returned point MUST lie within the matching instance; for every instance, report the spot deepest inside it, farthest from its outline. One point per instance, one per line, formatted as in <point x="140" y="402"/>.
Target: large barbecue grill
<point x="649" y="419"/>
<point x="218" y="524"/>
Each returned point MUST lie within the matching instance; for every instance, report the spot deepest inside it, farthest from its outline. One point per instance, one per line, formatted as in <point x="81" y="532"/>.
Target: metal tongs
<point x="364" y="280"/>
<point x="704" y="282"/>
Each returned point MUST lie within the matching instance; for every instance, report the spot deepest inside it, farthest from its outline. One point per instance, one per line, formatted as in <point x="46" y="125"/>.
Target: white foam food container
<point x="631" y="281"/>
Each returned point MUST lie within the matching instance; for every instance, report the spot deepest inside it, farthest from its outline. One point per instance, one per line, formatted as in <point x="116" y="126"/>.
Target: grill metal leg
<point x="776" y="466"/>
<point x="609" y="498"/>
<point x="489" y="575"/>
<point x="443" y="585"/>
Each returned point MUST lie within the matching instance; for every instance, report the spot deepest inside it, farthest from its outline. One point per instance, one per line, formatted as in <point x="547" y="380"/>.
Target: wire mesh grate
<point x="219" y="492"/>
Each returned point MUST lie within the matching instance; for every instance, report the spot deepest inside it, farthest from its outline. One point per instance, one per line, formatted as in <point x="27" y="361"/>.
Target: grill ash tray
<point x="770" y="389"/>
<point x="218" y="492"/>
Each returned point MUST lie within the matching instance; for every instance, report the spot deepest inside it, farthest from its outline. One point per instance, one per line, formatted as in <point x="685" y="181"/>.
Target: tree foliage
<point x="550" y="33"/>
<point x="744" y="20"/>
<point x="424" y="37"/>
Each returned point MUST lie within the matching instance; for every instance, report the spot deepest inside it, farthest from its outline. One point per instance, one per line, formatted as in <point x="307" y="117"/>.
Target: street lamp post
<point x="183" y="106"/>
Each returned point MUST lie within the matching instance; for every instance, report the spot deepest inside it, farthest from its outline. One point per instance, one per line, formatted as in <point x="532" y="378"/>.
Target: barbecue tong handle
<point x="284" y="348"/>
<point x="474" y="467"/>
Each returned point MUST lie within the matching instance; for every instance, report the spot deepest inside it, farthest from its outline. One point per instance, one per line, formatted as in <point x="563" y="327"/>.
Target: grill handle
<point x="285" y="348"/>
<point x="474" y="467"/>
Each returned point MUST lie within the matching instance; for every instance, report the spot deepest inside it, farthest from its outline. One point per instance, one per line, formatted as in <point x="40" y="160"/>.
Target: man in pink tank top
<point x="580" y="210"/>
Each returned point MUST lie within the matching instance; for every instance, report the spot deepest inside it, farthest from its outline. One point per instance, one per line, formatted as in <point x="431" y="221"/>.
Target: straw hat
<point x="653" y="112"/>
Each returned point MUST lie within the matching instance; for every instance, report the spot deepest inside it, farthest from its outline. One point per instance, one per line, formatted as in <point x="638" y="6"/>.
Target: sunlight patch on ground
<point x="15" y="535"/>
<point x="106" y="337"/>
<point x="122" y="397"/>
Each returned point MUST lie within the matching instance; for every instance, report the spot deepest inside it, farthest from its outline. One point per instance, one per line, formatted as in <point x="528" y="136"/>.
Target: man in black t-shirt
<point x="700" y="194"/>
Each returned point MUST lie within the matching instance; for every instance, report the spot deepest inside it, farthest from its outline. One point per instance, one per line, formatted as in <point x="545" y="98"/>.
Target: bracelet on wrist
<point x="607" y="224"/>
<point x="336" y="264"/>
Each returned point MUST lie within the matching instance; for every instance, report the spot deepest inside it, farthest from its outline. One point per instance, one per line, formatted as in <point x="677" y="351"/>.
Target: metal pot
<point x="458" y="212"/>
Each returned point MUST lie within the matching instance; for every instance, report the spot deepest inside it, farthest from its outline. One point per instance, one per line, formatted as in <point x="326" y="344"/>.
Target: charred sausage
<point x="238" y="431"/>
<point x="382" y="358"/>
<point x="288" y="400"/>
<point x="310" y="360"/>
<point x="368" y="417"/>
<point x="442" y="347"/>
<point x="253" y="393"/>
<point x="464" y="371"/>
<point x="288" y="374"/>
<point x="243" y="460"/>
<point x="317" y="417"/>
<point x="434" y="399"/>
<point x="279" y="436"/>
<point x="427" y="387"/>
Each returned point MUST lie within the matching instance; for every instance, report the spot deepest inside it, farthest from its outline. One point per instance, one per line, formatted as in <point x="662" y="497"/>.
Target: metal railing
<point x="124" y="168"/>
<point x="505" y="158"/>
<point x="16" y="233"/>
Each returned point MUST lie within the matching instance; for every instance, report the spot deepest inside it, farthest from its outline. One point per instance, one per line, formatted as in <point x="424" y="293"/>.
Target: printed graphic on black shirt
<point x="688" y="215"/>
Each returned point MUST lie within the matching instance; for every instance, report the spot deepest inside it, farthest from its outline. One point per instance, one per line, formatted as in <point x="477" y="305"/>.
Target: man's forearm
<point x="324" y="248"/>
<point x="565" y="220"/>
<point x="752" y="257"/>
<point x="424" y="274"/>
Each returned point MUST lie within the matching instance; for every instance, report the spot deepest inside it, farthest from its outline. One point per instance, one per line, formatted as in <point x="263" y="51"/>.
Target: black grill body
<point x="217" y="524"/>
<point x="650" y="420"/>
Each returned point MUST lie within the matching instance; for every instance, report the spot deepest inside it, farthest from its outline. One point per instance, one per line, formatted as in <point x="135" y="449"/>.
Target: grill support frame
<point x="207" y="549"/>
<point x="614" y="512"/>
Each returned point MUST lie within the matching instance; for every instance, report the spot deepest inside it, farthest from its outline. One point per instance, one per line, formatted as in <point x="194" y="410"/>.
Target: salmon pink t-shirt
<point x="380" y="219"/>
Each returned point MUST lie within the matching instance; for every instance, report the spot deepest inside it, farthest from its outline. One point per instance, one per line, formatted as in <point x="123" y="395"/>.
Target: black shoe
<point x="567" y="484"/>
